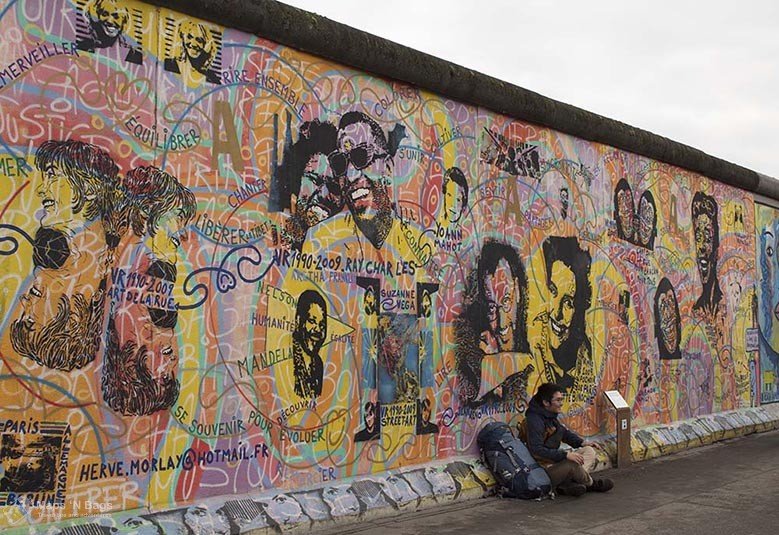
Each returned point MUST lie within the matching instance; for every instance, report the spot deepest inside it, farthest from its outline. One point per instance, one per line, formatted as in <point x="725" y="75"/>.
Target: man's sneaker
<point x="601" y="485"/>
<point x="571" y="489"/>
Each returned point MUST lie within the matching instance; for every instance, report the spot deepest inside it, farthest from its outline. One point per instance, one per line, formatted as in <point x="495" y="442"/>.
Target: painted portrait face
<point x="454" y="201"/>
<point x="769" y="279"/>
<point x="426" y="411"/>
<point x="502" y="297"/>
<point x="167" y="239"/>
<point x="369" y="301"/>
<point x="704" y="246"/>
<point x="201" y="520"/>
<point x="370" y="417"/>
<point x="625" y="210"/>
<point x="194" y="39"/>
<point x="668" y="313"/>
<point x="646" y="220"/>
<point x="56" y="195"/>
<point x="319" y="197"/>
<point x="361" y="165"/>
<point x="111" y="17"/>
<point x="314" y="328"/>
<point x="161" y="357"/>
<point x="562" y="291"/>
<point x="427" y="305"/>
<point x="41" y="302"/>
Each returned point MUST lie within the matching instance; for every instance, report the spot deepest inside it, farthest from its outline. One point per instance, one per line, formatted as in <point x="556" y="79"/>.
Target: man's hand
<point x="575" y="457"/>
<point x="591" y="444"/>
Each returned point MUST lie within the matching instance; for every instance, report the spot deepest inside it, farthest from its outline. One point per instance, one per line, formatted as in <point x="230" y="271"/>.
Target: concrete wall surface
<point x="244" y="287"/>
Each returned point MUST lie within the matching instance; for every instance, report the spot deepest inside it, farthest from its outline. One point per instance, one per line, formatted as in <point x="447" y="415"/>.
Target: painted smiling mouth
<point x="35" y="291"/>
<point x="47" y="204"/>
<point x="359" y="193"/>
<point x="560" y="330"/>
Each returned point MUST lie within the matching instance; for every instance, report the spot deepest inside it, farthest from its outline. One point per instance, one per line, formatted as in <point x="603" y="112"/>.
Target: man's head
<point x="369" y="303"/>
<point x="138" y="376"/>
<point x="455" y="191"/>
<point x="425" y="411"/>
<point x="75" y="184"/>
<point x="160" y="209"/>
<point x="501" y="281"/>
<point x="59" y="328"/>
<point x="567" y="279"/>
<point x="564" y="198"/>
<point x="624" y="210"/>
<point x="196" y="45"/>
<point x="668" y="328"/>
<point x="550" y="396"/>
<point x="310" y="322"/>
<point x="362" y="164"/>
<point x="647" y="220"/>
<point x="706" y="231"/>
<point x="427" y="304"/>
<point x="369" y="416"/>
<point x="108" y="20"/>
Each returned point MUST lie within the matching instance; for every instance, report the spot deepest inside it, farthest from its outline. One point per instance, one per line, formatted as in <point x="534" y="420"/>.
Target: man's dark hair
<point x="70" y="340"/>
<point x="456" y="175"/>
<point x="90" y="170"/>
<point x="491" y="254"/>
<point x="314" y="138"/>
<point x="153" y="193"/>
<point x="353" y="117"/>
<point x="127" y="384"/>
<point x="546" y="392"/>
<point x="567" y="251"/>
<point x="306" y="299"/>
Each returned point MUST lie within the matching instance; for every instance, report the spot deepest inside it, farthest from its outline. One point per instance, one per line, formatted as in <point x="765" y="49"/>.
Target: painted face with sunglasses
<point x="361" y="166"/>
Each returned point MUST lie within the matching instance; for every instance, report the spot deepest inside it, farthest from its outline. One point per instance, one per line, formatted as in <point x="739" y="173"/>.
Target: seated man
<point x="543" y="433"/>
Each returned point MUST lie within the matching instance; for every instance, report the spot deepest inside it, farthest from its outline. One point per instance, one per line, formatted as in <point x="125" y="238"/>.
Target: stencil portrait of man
<point x="706" y="234"/>
<point x="307" y="340"/>
<point x="565" y="347"/>
<point x="624" y="210"/>
<point x="141" y="358"/>
<point x="492" y="350"/>
<point x="62" y="310"/>
<point x="668" y="321"/>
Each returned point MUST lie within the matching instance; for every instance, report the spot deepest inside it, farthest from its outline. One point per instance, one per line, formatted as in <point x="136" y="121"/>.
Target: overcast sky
<point x="704" y="73"/>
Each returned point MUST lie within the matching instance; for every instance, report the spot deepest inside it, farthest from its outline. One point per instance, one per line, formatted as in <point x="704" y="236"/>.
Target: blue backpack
<point x="517" y="472"/>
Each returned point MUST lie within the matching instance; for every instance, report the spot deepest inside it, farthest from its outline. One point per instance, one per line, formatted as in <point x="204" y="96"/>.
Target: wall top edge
<point x="304" y="30"/>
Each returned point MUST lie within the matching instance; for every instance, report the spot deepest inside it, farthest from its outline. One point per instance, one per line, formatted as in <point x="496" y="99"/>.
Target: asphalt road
<point x="731" y="487"/>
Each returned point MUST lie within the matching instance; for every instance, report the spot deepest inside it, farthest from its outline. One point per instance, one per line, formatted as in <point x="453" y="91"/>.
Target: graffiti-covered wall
<point x="228" y="266"/>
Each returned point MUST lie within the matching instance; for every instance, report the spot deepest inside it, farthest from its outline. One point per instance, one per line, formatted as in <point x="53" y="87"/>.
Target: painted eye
<point x="769" y="251"/>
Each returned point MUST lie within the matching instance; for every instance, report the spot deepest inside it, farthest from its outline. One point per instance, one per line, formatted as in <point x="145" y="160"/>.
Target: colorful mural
<point x="227" y="267"/>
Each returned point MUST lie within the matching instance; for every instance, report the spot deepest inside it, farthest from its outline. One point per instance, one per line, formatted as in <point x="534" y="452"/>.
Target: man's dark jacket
<point x="543" y="433"/>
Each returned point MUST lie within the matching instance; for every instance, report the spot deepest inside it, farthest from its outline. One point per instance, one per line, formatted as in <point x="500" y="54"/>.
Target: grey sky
<point x="702" y="73"/>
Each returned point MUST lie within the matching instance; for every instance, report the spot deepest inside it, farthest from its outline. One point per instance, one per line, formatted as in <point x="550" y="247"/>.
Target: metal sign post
<point x="623" y="427"/>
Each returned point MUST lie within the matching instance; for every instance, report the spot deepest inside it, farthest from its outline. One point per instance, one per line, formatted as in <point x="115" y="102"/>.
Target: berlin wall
<point x="228" y="266"/>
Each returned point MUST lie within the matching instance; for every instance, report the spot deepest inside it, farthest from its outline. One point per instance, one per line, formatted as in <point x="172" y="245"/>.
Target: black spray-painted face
<point x="704" y="246"/>
<point x="669" y="320"/>
<point x="625" y="212"/>
<point x="646" y="221"/>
